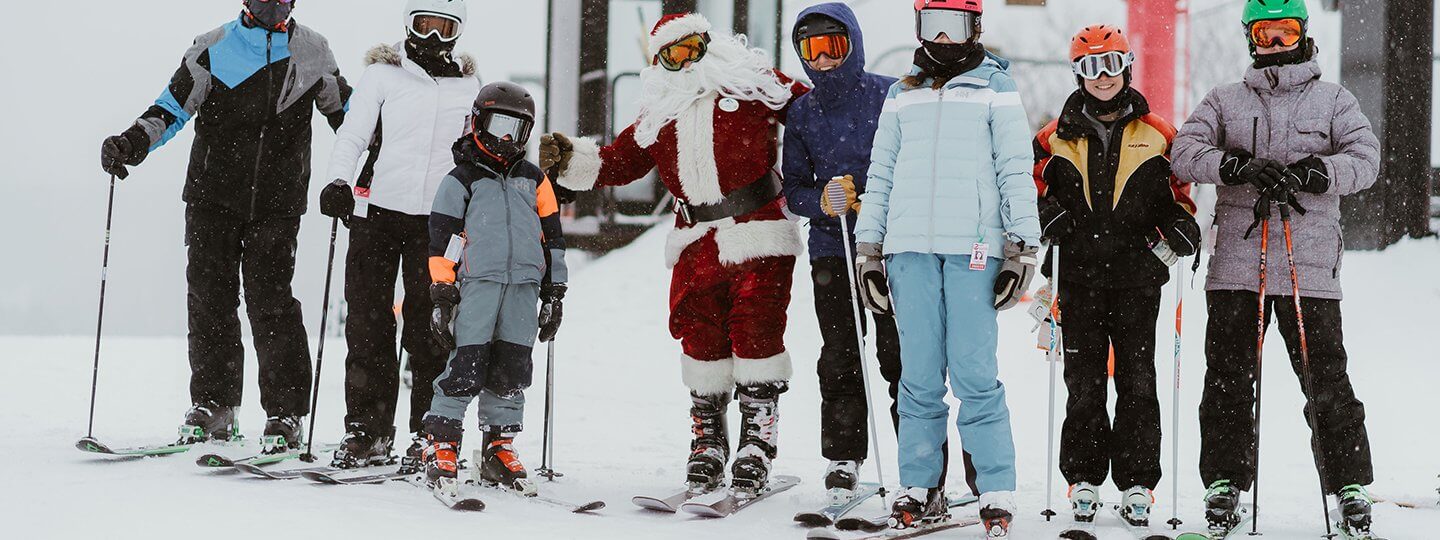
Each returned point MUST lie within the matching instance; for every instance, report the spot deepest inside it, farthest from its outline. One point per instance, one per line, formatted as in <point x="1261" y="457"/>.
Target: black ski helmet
<point x="817" y="24"/>
<point x="501" y="120"/>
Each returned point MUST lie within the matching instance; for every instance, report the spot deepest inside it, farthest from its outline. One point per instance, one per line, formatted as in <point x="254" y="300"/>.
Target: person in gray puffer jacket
<point x="1282" y="136"/>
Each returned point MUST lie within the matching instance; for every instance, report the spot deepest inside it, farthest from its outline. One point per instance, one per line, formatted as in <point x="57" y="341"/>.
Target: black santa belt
<point x="743" y="201"/>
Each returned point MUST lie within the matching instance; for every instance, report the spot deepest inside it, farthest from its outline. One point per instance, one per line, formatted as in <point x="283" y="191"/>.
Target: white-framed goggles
<point x="959" y="26"/>
<point x="1113" y="63"/>
<point x="424" y="24"/>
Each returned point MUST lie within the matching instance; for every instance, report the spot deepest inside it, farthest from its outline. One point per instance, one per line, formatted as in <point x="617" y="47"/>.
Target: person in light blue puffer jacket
<point x="951" y="206"/>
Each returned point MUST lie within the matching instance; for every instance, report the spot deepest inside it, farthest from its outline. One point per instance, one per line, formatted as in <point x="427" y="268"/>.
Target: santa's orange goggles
<point x="689" y="49"/>
<point x="836" y="46"/>
<point x="1277" y="32"/>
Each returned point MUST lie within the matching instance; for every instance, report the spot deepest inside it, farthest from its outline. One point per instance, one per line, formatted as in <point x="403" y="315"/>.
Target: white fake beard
<point x="730" y="68"/>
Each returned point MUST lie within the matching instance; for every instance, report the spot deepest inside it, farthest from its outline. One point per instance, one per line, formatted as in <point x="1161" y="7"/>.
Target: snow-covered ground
<point x="621" y="427"/>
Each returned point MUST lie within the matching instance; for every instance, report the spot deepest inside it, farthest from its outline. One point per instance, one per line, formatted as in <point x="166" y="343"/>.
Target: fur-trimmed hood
<point x="393" y="54"/>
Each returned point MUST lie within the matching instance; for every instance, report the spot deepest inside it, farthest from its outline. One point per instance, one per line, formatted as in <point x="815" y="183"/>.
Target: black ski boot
<point x="500" y="464"/>
<point x="759" y="437"/>
<point x="842" y="478"/>
<point x="282" y="434"/>
<point x="362" y="448"/>
<point x="1355" y="506"/>
<point x="414" y="459"/>
<point x="1222" y="506"/>
<point x="997" y="510"/>
<point x="710" y="449"/>
<point x="918" y="506"/>
<point x="209" y="422"/>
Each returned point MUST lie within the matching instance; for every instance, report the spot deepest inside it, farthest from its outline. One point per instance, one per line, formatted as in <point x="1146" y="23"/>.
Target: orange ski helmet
<point x="1098" y="39"/>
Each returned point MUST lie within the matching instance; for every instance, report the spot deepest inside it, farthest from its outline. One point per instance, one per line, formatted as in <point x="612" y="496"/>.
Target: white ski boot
<point x="1135" y="506"/>
<point x="1085" y="501"/>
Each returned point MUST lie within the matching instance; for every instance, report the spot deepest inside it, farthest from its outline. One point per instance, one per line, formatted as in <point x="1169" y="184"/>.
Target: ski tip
<point x="589" y="507"/>
<point x="812" y="519"/>
<point x="702" y="510"/>
<point x="212" y="461"/>
<point x="652" y="504"/>
<point x="468" y="505"/>
<point x="89" y="444"/>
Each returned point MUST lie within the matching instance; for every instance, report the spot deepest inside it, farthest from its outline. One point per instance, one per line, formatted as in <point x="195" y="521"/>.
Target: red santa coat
<point x="713" y="149"/>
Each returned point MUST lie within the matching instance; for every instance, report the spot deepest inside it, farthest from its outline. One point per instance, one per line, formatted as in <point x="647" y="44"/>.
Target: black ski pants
<point x="1091" y="445"/>
<point x="225" y="250"/>
<point x="844" y="418"/>
<point x="383" y="244"/>
<point x="1227" y="415"/>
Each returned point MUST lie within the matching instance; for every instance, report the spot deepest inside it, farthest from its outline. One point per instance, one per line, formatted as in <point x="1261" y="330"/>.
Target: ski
<point x="881" y="523"/>
<point x="897" y="534"/>
<point x="1078" y="534"/>
<point x="1138" y="531"/>
<point x="93" y="446"/>
<point x="338" y="477"/>
<point x="447" y="491"/>
<point x="287" y="474"/>
<point x="1344" y="534"/>
<point x="734" y="502"/>
<point x="214" y="461"/>
<point x="669" y="504"/>
<point x="826" y="516"/>
<point x="575" y="508"/>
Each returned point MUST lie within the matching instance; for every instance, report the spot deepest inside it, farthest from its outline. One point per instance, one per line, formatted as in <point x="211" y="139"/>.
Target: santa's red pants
<point x="730" y="319"/>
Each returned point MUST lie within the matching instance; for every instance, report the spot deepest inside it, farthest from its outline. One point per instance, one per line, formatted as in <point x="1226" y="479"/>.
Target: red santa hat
<point x="674" y="27"/>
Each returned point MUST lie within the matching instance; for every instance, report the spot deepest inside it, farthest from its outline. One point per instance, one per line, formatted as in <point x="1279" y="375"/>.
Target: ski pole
<point x="309" y="456"/>
<point x="860" y="339"/>
<point x="1055" y="357"/>
<point x="1175" y="401"/>
<point x="100" y="318"/>
<point x="1315" y="446"/>
<point x="1259" y="364"/>
<point x="547" y="453"/>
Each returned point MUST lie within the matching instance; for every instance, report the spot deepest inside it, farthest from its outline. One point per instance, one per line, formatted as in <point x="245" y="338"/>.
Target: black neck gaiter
<point x="943" y="61"/>
<point x="433" y="56"/>
<point x="1300" y="55"/>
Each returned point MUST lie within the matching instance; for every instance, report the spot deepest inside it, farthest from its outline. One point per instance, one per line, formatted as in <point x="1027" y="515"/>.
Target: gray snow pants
<point x="495" y="329"/>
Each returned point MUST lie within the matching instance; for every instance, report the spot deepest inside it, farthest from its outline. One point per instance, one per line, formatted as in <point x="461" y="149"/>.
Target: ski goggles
<point x="836" y="46"/>
<point x="1277" y="32"/>
<point x="959" y="26"/>
<point x="1113" y="63"/>
<point x="424" y="25"/>
<point x="502" y="126"/>
<point x="689" y="49"/>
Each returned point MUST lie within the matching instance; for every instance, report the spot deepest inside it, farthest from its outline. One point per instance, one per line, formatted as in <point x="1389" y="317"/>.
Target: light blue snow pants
<point x="947" y="320"/>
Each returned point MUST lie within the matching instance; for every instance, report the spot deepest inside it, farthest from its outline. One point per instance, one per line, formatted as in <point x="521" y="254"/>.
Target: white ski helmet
<point x="444" y="9"/>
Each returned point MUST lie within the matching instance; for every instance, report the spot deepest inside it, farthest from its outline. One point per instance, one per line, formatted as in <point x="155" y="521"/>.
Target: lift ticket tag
<point x="978" y="256"/>
<point x="362" y="202"/>
<point x="453" y="251"/>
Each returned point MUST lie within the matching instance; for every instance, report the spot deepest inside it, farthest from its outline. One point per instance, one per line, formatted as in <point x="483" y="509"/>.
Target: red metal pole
<point x="1152" y="27"/>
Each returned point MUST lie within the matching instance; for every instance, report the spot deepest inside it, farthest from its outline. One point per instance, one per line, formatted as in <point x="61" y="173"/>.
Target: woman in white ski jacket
<point x="411" y="104"/>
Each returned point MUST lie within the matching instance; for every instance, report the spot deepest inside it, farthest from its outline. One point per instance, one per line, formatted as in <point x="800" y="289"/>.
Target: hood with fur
<point x="393" y="54"/>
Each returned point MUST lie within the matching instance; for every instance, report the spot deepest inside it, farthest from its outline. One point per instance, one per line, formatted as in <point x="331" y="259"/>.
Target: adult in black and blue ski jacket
<point x="829" y="134"/>
<point x="250" y="86"/>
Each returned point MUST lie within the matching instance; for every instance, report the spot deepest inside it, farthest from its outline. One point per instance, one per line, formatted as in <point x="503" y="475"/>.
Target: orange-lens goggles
<point x="691" y="49"/>
<point x="1276" y="33"/>
<point x="836" y="46"/>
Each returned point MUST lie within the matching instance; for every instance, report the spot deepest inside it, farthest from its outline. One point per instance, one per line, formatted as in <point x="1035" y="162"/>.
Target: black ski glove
<point x="551" y="309"/>
<point x="874" y="283"/>
<point x="1267" y="175"/>
<point x="1183" y="236"/>
<point x="1014" y="279"/>
<point x="128" y="148"/>
<point x="1055" y="221"/>
<point x="1309" y="175"/>
<point x="445" y="296"/>
<point x="337" y="200"/>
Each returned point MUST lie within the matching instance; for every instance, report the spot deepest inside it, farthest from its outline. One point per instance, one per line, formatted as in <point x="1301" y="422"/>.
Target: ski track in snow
<point x="621" y="426"/>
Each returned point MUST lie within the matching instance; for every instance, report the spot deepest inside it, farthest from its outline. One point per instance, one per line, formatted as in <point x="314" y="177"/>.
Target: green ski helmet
<point x="1263" y="10"/>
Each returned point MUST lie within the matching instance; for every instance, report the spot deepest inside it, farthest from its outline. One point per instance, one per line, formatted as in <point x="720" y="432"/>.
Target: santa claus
<point x="709" y="114"/>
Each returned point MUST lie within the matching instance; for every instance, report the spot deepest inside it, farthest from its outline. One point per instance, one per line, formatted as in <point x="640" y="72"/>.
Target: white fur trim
<point x="584" y="168"/>
<point x="763" y="370"/>
<point x="673" y="31"/>
<point x="738" y="242"/>
<point x="708" y="378"/>
<point x="695" y="153"/>
<point x="390" y="54"/>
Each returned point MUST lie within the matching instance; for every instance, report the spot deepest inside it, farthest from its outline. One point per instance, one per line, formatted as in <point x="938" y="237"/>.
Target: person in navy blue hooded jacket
<point x="828" y="138"/>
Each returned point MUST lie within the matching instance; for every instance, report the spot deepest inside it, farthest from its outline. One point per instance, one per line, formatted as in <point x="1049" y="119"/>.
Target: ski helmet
<point x="442" y="19"/>
<point x="272" y="15"/>
<point x="501" y="120"/>
<point x="1262" y="10"/>
<point x="1098" y="39"/>
<point x="959" y="20"/>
